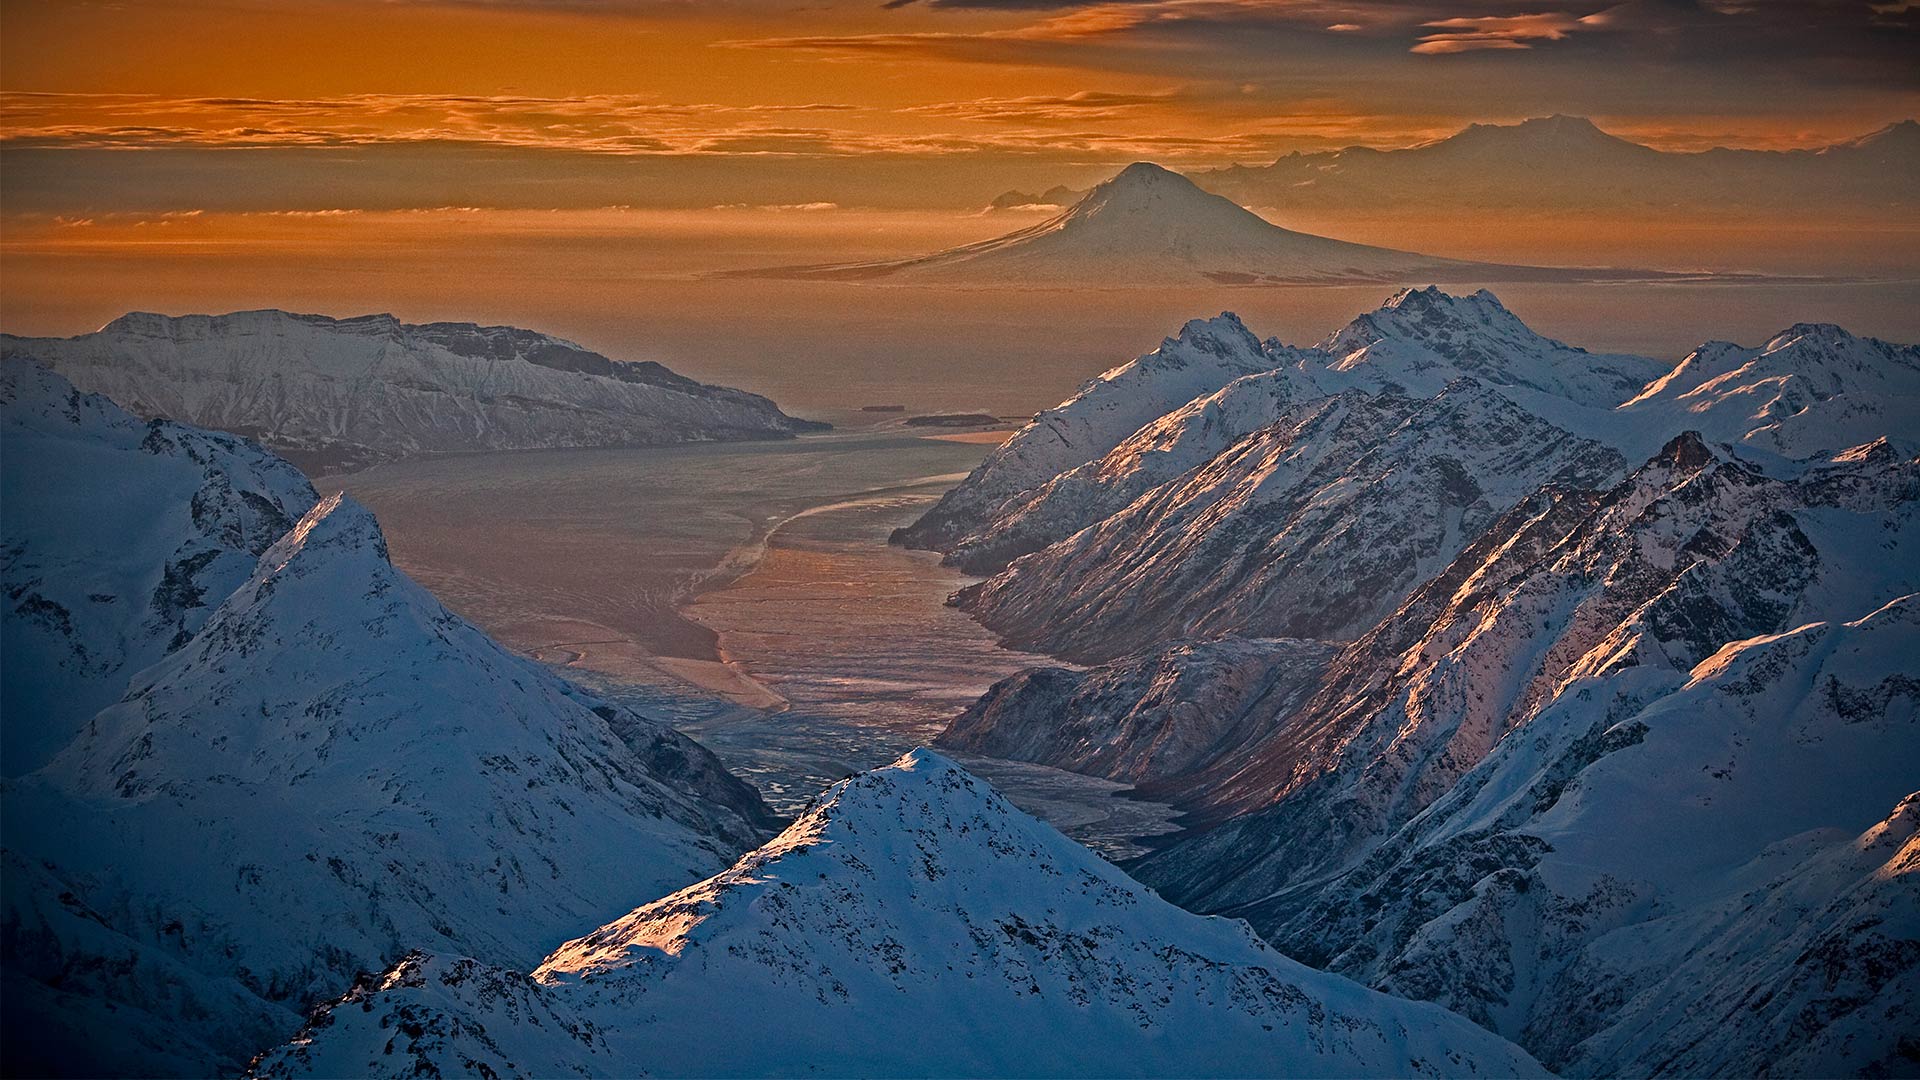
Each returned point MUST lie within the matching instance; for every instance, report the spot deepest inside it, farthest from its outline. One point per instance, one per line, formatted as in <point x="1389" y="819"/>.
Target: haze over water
<point x="634" y="286"/>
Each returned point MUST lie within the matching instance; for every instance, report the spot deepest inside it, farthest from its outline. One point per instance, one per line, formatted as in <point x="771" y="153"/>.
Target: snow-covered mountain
<point x="1695" y="549"/>
<point x="330" y="769"/>
<point x="1811" y="389"/>
<point x="1202" y="521"/>
<point x="1566" y="162"/>
<point x="1148" y="226"/>
<point x="1314" y="526"/>
<point x="1422" y="339"/>
<point x="1381" y="822"/>
<point x="1315" y="497"/>
<point x="1130" y="431"/>
<point x="344" y="392"/>
<point x="911" y="923"/>
<point x="120" y="537"/>
<point x="1206" y="355"/>
<point x="1721" y="882"/>
<point x="1464" y="803"/>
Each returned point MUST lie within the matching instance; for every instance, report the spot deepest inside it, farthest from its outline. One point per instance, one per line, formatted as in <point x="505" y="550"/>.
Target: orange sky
<point x="1194" y="82"/>
<point x="147" y="144"/>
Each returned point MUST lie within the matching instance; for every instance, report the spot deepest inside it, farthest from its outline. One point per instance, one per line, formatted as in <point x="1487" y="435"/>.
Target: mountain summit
<point x="1148" y="225"/>
<point x="1550" y="137"/>
<point x="911" y="922"/>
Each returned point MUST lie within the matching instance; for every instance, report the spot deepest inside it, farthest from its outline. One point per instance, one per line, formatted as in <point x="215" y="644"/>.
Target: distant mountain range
<point x="341" y="393"/>
<point x="1575" y="692"/>
<point x="1568" y="163"/>
<point x="1149" y="226"/>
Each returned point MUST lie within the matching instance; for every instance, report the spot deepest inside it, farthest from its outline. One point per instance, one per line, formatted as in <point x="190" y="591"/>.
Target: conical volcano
<point x="1152" y="226"/>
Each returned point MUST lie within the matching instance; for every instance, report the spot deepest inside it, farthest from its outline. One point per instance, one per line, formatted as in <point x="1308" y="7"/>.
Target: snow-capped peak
<point x="1421" y="338"/>
<point x="1147" y="210"/>
<point x="1827" y="335"/>
<point x="337" y="526"/>
<point x="854" y="824"/>
<point x="1143" y="174"/>
<point x="1811" y="390"/>
<point x="120" y="537"/>
<point x="911" y="922"/>
<point x="1143" y="180"/>
<point x="1427" y="314"/>
<point x="1222" y="335"/>
<point x="1529" y="140"/>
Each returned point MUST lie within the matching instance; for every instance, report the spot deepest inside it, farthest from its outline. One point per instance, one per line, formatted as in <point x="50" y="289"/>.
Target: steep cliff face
<point x="1145" y="720"/>
<point x="120" y="538"/>
<point x="346" y="392"/>
<point x="911" y="923"/>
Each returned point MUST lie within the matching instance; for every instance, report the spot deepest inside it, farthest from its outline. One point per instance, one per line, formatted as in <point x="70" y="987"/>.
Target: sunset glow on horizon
<point x="213" y="155"/>
<point x="941" y="96"/>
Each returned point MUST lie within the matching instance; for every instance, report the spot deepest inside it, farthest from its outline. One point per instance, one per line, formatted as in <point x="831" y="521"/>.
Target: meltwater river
<point x="744" y="592"/>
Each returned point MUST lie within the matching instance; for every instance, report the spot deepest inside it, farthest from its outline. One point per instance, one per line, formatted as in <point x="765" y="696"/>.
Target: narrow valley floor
<point x="744" y="592"/>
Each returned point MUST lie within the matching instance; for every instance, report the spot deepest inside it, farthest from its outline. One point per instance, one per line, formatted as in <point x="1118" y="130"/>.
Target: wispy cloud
<point x="601" y="123"/>
<point x="1471" y="33"/>
<point x="616" y="125"/>
<point x="1816" y="41"/>
<point x="1048" y="108"/>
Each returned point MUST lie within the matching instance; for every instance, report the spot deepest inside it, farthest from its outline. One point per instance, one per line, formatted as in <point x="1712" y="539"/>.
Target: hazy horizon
<point x="574" y="167"/>
<point x="634" y="284"/>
